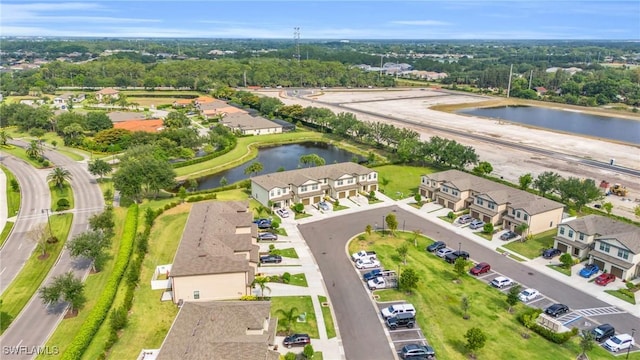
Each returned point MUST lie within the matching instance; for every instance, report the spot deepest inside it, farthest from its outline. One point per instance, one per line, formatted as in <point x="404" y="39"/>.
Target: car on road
<point x="603" y="332"/>
<point x="438" y="245"/>
<point x="270" y="259"/>
<point x="604" y="279"/>
<point x="324" y="206"/>
<point x="501" y="282"/>
<point x="371" y="274"/>
<point x="267" y="236"/>
<point x="416" y="351"/>
<point x="551" y="253"/>
<point x="556" y="310"/>
<point x="476" y="224"/>
<point x="443" y="252"/>
<point x="465" y="219"/>
<point x="263" y="223"/>
<point x="367" y="263"/>
<point x="452" y="257"/>
<point x="589" y="270"/>
<point x="401" y="320"/>
<point x="282" y="212"/>
<point x="480" y="268"/>
<point x="527" y="295"/>
<point x="619" y="342"/>
<point x="509" y="235"/>
<point x="296" y="340"/>
<point x="394" y="310"/>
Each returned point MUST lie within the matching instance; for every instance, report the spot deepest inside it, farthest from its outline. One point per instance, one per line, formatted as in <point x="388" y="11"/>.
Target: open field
<point x="13" y="197"/>
<point x="399" y="182"/>
<point x="155" y="101"/>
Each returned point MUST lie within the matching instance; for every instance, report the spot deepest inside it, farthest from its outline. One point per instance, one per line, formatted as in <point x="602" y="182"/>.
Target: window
<point x="561" y="230"/>
<point x="479" y="201"/>
<point x="303" y="188"/>
<point x="492" y="205"/>
<point x="513" y="212"/>
<point x="454" y="192"/>
<point x="340" y="182"/>
<point x="314" y="187"/>
<point x="279" y="192"/>
<point x="196" y="294"/>
<point x="518" y="215"/>
<point x="604" y="247"/>
<point x="623" y="254"/>
<point x="581" y="236"/>
<point x="350" y="181"/>
<point x="445" y="189"/>
<point x="525" y="217"/>
<point x="273" y="193"/>
<point x="570" y="233"/>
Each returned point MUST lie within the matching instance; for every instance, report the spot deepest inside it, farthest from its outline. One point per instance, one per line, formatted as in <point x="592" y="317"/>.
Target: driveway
<point x="362" y="334"/>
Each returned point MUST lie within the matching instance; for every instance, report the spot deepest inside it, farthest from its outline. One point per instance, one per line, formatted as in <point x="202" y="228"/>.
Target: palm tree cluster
<point x="58" y="176"/>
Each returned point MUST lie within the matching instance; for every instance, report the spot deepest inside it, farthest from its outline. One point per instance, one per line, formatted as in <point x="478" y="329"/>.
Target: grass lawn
<point x="246" y="149"/>
<point x="34" y="271"/>
<point x="561" y="269"/>
<point x="621" y="296"/>
<point x="20" y="153"/>
<point x="447" y="219"/>
<point x="150" y="319"/>
<point x="13" y="197"/>
<point x="483" y="235"/>
<point x="61" y="193"/>
<point x="301" y="216"/>
<point x="340" y="207"/>
<point x="298" y="280"/>
<point x="157" y="101"/>
<point x="438" y="298"/>
<point x="5" y="232"/>
<point x="302" y="304"/>
<point x="400" y="182"/>
<point x="288" y="252"/>
<point x="68" y="328"/>
<point x="533" y="248"/>
<point x="328" y="319"/>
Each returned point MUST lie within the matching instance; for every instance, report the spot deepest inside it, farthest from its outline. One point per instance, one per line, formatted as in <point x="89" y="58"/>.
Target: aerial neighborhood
<point x="230" y="200"/>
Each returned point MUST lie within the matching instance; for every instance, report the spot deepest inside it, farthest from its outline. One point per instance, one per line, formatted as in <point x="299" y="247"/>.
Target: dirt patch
<point x="185" y="207"/>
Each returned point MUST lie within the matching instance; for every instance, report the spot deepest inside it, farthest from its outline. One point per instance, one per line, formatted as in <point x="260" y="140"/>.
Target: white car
<point x="619" y="342"/>
<point x="528" y="295"/>
<point x="443" y="252"/>
<point x="464" y="219"/>
<point x="377" y="283"/>
<point x="501" y="282"/>
<point x="367" y="263"/>
<point x="282" y="212"/>
<point x="476" y="224"/>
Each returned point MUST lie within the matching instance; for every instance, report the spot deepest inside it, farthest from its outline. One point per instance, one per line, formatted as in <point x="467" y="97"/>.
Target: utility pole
<point x="509" y="86"/>
<point x="530" y="78"/>
<point x="296" y="39"/>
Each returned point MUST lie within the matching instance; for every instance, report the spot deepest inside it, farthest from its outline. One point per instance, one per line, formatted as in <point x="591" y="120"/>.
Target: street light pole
<point x="459" y="247"/>
<point x="382" y="225"/>
<point x="633" y="332"/>
<point x="48" y="222"/>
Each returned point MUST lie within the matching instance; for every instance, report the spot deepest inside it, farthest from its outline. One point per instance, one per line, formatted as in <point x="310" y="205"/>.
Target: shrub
<point x="488" y="228"/>
<point x="286" y="277"/>
<point x="290" y="356"/>
<point x="627" y="292"/>
<point x="566" y="260"/>
<point x="118" y="318"/>
<point x="451" y="215"/>
<point x="248" y="298"/>
<point x="271" y="247"/>
<point x="275" y="224"/>
<point x="63" y="204"/>
<point x="308" y="351"/>
<point x="528" y="319"/>
<point x="15" y="185"/>
<point x="298" y="208"/>
<point x="630" y="285"/>
<point x="46" y="163"/>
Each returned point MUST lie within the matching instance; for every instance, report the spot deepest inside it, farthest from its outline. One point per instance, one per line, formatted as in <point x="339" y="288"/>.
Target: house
<point x="79" y="98"/>
<point x="490" y="201"/>
<point x="182" y="103"/>
<point x="309" y="185"/>
<point x="107" y="94"/>
<point x="218" y="255"/>
<point x="612" y="245"/>
<point x="221" y="330"/>
<point x="246" y="124"/>
<point x="541" y="90"/>
<point x="119" y="116"/>
<point x="146" y="125"/>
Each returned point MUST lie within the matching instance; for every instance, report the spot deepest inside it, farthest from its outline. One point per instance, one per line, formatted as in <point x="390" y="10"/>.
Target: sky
<point x="349" y="20"/>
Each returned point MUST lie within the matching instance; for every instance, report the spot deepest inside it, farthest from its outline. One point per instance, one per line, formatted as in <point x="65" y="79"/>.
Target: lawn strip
<point x="326" y="315"/>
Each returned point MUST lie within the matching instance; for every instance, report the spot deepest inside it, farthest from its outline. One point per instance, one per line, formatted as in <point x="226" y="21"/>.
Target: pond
<point x="569" y="121"/>
<point x="272" y="158"/>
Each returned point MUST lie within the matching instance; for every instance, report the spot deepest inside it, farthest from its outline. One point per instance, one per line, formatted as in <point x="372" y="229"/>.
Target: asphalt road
<point x="37" y="322"/>
<point x="362" y="334"/>
<point x="35" y="197"/>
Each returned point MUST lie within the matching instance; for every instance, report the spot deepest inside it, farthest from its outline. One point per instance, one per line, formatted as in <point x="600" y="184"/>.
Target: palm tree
<point x="261" y="281"/>
<point x="254" y="168"/>
<point x="522" y="229"/>
<point x="34" y="150"/>
<point x="4" y="137"/>
<point x="58" y="176"/>
<point x="288" y="317"/>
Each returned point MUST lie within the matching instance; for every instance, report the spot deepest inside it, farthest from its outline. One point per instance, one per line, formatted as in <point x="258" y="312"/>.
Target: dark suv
<point x="551" y="253"/>
<point x="603" y="332"/>
<point x="297" y="340"/>
<point x="556" y="310"/>
<point x="402" y="319"/>
<point x="452" y="257"/>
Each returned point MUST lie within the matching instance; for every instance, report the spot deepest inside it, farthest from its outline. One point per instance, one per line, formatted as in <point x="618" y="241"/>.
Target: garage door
<point x="562" y="247"/>
<point x="617" y="271"/>
<point x="423" y="193"/>
<point x="475" y="215"/>
<point x="352" y="193"/>
<point x="599" y="263"/>
<point x="374" y="187"/>
<point x="305" y="201"/>
<point x="451" y="205"/>
<point x="441" y="202"/>
<point x="341" y="195"/>
<point x="317" y="199"/>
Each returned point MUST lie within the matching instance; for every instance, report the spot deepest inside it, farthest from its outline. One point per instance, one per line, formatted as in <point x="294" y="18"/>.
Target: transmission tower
<point x="296" y="39"/>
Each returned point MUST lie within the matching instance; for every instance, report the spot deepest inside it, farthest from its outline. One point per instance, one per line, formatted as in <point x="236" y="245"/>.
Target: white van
<point x="396" y="309"/>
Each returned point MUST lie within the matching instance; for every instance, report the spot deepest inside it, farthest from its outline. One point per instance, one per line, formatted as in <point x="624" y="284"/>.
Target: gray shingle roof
<point x="247" y="122"/>
<point x="209" y="242"/>
<point x="606" y="228"/>
<point x="218" y="330"/>
<point x="298" y="177"/>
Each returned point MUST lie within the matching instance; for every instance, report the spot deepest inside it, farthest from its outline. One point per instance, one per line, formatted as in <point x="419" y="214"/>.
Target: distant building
<point x="246" y="124"/>
<point x="107" y="93"/>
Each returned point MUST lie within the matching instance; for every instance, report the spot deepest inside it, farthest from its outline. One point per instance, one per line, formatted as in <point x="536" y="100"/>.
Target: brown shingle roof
<point x="221" y="330"/>
<point x="606" y="228"/>
<point x="300" y="176"/>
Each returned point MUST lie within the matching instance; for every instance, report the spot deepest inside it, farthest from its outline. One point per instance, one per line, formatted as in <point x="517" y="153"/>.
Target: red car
<point x="480" y="268"/>
<point x="604" y="279"/>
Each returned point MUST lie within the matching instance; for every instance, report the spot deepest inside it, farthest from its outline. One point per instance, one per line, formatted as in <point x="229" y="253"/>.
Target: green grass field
<point x="20" y="153"/>
<point x="437" y="299"/>
<point x="61" y="193"/>
<point x="303" y="304"/>
<point x="328" y="319"/>
<point x="5" y="232"/>
<point x="401" y="181"/>
<point x="13" y="197"/>
<point x="533" y="248"/>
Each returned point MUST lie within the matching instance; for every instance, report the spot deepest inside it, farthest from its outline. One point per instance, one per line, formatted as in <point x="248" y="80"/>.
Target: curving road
<point x="36" y="322"/>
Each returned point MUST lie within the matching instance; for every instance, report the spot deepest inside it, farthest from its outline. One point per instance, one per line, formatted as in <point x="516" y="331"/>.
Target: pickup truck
<point x="363" y="255"/>
<point x="377" y="283"/>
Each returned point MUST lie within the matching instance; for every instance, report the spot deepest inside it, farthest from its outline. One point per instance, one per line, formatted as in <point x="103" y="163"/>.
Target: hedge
<point x="99" y="313"/>
<point x="208" y="157"/>
<point x="528" y="319"/>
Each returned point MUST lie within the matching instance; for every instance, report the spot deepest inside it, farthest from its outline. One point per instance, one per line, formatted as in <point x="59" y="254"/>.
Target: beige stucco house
<point x="106" y="94"/>
<point x="612" y="245"/>
<point x="490" y="201"/>
<point x="218" y="255"/>
<point x="309" y="185"/>
<point x="246" y="124"/>
<point x="221" y="330"/>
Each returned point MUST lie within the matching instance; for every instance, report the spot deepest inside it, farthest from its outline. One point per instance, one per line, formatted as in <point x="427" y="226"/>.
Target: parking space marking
<point x="535" y="300"/>
<point x="402" y="330"/>
<point x="409" y="340"/>
<point x="607" y="310"/>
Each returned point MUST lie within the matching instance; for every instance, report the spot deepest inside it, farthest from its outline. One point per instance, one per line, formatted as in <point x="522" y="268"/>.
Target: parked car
<point x="464" y="219"/>
<point x="501" y="282"/>
<point x="604" y="279"/>
<point x="603" y="332"/>
<point x="377" y="283"/>
<point x="363" y="255"/>
<point x="282" y="212"/>
<point x="551" y="253"/>
<point x="415" y="351"/>
<point x="263" y="223"/>
<point x="527" y="295"/>
<point x="367" y="263"/>
<point x="401" y="320"/>
<point x="271" y="259"/>
<point x="267" y="236"/>
<point x="480" y="268"/>
<point x="371" y="274"/>
<point x="619" y="342"/>
<point x="297" y="340"/>
<point x="509" y="235"/>
<point x="396" y="309"/>
<point x="589" y="270"/>
<point x="324" y="206"/>
<point x="452" y="257"/>
<point x="443" y="252"/>
<point x="476" y="224"/>
<point x="436" y="246"/>
<point x="556" y="310"/>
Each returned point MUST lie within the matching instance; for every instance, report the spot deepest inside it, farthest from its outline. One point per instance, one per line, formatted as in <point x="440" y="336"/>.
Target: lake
<point x="272" y="158"/>
<point x="569" y="121"/>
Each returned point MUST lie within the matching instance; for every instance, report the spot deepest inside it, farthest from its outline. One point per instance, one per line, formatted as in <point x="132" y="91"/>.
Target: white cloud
<point x="421" y="22"/>
<point x="65" y="12"/>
